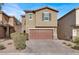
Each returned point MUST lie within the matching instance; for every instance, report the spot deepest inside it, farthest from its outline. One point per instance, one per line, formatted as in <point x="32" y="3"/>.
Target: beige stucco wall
<point x="30" y="23"/>
<point x="18" y="28"/>
<point x="0" y="17"/>
<point x="11" y="21"/>
<point x="40" y="22"/>
<point x="23" y="24"/>
<point x="65" y="25"/>
<point x="37" y="19"/>
<point x="5" y="19"/>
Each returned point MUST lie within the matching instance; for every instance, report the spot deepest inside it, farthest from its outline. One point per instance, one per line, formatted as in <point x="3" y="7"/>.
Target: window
<point x="46" y="16"/>
<point x="30" y="16"/>
<point x="24" y="31"/>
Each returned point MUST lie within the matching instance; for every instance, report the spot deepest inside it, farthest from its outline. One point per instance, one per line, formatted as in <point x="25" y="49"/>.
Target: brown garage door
<point x="41" y="34"/>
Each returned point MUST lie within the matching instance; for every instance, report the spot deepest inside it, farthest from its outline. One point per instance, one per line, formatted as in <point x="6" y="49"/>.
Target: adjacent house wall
<point x="2" y="32"/>
<point x="5" y="19"/>
<point x="40" y="22"/>
<point x="65" y="25"/>
<point x="8" y="25"/>
<point x="15" y="23"/>
<point x="11" y="21"/>
<point x="19" y="26"/>
<point x="0" y="17"/>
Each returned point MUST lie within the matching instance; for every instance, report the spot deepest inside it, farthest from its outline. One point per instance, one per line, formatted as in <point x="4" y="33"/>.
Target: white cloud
<point x="13" y="10"/>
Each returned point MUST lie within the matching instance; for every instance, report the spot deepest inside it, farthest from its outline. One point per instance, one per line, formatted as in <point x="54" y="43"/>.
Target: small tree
<point x="19" y="40"/>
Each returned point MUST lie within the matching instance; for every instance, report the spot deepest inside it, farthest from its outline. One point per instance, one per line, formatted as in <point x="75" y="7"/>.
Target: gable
<point x="33" y="11"/>
<point x="46" y="8"/>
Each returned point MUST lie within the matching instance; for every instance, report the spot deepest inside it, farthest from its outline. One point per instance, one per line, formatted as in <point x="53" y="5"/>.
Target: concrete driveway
<point x="48" y="47"/>
<point x="40" y="47"/>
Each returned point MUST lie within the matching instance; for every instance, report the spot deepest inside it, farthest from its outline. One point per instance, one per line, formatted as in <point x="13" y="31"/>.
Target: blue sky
<point x="17" y="9"/>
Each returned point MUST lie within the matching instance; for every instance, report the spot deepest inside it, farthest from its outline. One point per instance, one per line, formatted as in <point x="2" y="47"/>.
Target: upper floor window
<point x="30" y="16"/>
<point x="46" y="16"/>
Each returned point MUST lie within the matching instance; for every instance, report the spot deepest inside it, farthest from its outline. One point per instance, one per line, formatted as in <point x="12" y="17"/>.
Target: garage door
<point x="40" y="34"/>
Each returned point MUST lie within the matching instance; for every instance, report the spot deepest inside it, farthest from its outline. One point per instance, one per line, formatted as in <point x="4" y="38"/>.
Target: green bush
<point x="2" y="47"/>
<point x="76" y="47"/>
<point x="76" y="40"/>
<point x="19" y="40"/>
<point x="69" y="44"/>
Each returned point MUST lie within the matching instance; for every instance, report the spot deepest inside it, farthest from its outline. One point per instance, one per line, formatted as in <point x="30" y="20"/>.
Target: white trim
<point x="46" y="14"/>
<point x="40" y="28"/>
<point x="46" y="20"/>
<point x="74" y="32"/>
<point x="30" y="19"/>
<point x="31" y="16"/>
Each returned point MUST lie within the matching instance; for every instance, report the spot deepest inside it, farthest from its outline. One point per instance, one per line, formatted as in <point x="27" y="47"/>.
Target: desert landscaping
<point x="38" y="47"/>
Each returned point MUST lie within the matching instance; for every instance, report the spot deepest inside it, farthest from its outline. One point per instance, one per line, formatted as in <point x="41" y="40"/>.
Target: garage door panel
<point x="41" y="34"/>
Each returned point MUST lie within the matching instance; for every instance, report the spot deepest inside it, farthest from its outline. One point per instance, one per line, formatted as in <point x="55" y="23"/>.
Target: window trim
<point x="43" y="16"/>
<point x="30" y="16"/>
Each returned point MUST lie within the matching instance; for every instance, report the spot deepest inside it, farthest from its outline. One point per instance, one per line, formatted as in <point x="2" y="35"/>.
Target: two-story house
<point x="41" y="23"/>
<point x="8" y="25"/>
<point x="68" y="25"/>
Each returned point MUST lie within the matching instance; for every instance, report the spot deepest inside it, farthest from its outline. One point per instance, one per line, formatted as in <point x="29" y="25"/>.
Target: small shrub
<point x="76" y="47"/>
<point x="76" y="40"/>
<point x="69" y="44"/>
<point x="19" y="40"/>
<point x="2" y="47"/>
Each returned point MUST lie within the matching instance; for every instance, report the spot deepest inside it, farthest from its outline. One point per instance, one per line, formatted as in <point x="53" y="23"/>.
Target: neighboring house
<point x="15" y="23"/>
<point x="68" y="25"/>
<point x="41" y="23"/>
<point x="6" y="25"/>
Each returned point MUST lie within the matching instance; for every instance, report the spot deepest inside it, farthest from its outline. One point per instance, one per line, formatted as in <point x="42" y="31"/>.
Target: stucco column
<point x="55" y="33"/>
<point x="74" y="34"/>
<point x="7" y="32"/>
